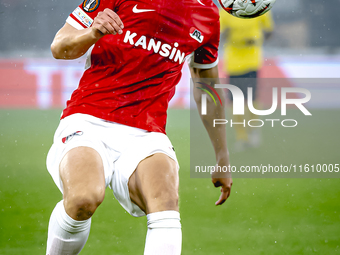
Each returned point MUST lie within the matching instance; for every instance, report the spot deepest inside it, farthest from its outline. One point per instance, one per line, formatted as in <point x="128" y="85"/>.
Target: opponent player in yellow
<point x="242" y="60"/>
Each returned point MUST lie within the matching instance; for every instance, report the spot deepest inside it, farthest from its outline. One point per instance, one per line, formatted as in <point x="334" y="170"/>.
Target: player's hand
<point x="223" y="180"/>
<point x="107" y="22"/>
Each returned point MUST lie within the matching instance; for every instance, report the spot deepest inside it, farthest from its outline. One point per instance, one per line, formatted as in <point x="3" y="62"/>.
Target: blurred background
<point x="302" y="27"/>
<point x="262" y="216"/>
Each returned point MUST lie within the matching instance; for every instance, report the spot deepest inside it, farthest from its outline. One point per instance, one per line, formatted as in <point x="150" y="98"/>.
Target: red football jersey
<point x="130" y="78"/>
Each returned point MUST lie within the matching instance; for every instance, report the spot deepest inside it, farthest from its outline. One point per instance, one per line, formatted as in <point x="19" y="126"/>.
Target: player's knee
<point x="81" y="206"/>
<point x="165" y="195"/>
<point x="165" y="199"/>
<point x="170" y="201"/>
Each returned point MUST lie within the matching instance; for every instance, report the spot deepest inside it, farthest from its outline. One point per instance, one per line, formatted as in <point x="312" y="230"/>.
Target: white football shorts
<point x="120" y="147"/>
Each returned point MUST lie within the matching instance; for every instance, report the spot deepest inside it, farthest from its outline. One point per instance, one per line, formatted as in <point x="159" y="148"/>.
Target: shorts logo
<point x="90" y="5"/>
<point x="69" y="137"/>
<point x="197" y="35"/>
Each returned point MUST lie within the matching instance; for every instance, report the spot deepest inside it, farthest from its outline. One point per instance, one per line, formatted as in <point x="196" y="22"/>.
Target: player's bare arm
<point x="217" y="134"/>
<point x="71" y="43"/>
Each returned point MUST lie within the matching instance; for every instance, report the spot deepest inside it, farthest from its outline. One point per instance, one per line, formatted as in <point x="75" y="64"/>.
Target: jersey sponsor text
<point x="165" y="50"/>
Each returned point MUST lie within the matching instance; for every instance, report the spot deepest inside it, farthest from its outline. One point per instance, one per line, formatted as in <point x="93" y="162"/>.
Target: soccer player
<point x="242" y="61"/>
<point x="112" y="132"/>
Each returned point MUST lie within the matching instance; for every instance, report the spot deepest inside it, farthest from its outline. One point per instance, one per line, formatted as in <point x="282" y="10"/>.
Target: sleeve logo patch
<point x="82" y="17"/>
<point x="197" y="35"/>
<point x="90" y="5"/>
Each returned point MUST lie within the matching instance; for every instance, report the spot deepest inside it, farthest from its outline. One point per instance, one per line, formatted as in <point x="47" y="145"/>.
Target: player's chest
<point x="161" y="22"/>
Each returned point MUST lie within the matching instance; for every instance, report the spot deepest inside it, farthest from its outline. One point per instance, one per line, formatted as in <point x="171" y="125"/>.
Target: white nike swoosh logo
<point x="201" y="2"/>
<point x="135" y="10"/>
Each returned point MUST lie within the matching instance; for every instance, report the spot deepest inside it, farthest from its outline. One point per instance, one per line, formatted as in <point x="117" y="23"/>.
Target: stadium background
<point x="263" y="216"/>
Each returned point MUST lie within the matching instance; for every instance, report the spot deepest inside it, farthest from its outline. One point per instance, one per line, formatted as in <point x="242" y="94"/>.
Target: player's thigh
<point x="154" y="184"/>
<point x="82" y="175"/>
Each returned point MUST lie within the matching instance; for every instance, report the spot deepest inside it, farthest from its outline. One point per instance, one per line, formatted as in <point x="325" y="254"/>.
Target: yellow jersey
<point x="243" y="47"/>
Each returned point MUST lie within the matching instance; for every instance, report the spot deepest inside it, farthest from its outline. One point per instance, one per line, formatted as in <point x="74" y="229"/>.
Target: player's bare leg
<point x="82" y="175"/>
<point x="154" y="188"/>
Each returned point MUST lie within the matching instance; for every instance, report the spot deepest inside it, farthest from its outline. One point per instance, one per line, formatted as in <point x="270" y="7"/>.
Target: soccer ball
<point x="247" y="9"/>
